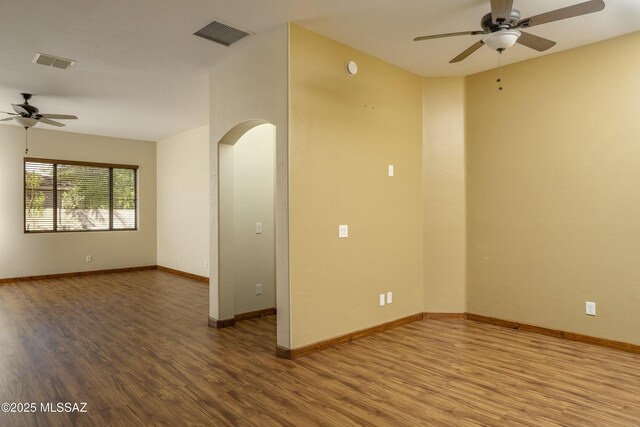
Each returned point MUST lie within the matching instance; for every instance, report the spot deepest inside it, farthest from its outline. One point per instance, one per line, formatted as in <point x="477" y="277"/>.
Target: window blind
<point x="79" y="196"/>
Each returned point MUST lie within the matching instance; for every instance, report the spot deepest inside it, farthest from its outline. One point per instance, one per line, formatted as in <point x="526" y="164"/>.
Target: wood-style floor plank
<point x="136" y="347"/>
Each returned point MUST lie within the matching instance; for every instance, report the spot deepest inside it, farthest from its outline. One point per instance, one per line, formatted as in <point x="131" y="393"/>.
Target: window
<point x="79" y="196"/>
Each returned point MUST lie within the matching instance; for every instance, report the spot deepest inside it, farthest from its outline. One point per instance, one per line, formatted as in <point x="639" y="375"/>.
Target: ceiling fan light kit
<point x="502" y="27"/>
<point x="26" y="122"/>
<point x="502" y="40"/>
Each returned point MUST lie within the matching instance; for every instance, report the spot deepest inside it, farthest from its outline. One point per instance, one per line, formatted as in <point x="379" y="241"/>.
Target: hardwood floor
<point x="136" y="348"/>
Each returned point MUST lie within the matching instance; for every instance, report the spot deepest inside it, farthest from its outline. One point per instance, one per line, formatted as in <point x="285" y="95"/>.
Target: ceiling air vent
<point x="221" y="33"/>
<point x="53" y="61"/>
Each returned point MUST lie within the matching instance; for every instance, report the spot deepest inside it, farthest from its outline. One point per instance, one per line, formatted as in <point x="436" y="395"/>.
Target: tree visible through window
<point x="79" y="196"/>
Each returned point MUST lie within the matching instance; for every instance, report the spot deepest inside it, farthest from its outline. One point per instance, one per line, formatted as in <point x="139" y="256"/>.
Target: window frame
<point x="55" y="163"/>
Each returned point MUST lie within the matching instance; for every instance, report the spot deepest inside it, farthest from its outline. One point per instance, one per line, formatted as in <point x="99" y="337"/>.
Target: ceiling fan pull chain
<point x="26" y="141"/>
<point x="499" y="79"/>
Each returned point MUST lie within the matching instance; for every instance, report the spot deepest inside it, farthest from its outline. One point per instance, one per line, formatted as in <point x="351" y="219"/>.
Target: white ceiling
<point x="142" y="74"/>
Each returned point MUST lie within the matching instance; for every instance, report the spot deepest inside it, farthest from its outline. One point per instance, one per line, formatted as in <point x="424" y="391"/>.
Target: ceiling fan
<point x="27" y="115"/>
<point x="502" y="27"/>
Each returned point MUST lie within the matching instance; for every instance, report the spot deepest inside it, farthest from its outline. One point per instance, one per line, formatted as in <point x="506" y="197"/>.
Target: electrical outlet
<point x="343" y="231"/>
<point x="258" y="228"/>
<point x="89" y="258"/>
<point x="259" y="289"/>
<point x="590" y="308"/>
<point x="381" y="300"/>
<point x="389" y="297"/>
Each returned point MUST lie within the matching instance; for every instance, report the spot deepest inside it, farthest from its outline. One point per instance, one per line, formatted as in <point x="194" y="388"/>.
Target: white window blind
<point x="79" y="196"/>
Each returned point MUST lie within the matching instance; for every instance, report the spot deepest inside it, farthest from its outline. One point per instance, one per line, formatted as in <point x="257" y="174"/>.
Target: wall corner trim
<point x="284" y="353"/>
<point x="219" y="324"/>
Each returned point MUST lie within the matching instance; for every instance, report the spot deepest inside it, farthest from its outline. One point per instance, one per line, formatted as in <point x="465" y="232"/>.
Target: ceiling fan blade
<point x="535" y="42"/>
<point x="501" y="10"/>
<point x="50" y="122"/>
<point x="440" y="36"/>
<point x="20" y="109"/>
<point x="59" y="116"/>
<point x="467" y="52"/>
<point x="564" y="13"/>
<point x="7" y="119"/>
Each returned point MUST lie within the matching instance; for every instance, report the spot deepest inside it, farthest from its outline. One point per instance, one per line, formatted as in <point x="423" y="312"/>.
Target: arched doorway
<point x="232" y="293"/>
<point x="246" y="197"/>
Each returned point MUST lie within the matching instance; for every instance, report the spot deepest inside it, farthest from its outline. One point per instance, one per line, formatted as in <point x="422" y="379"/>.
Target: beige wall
<point x="248" y="88"/>
<point x="37" y="254"/>
<point x="444" y="196"/>
<point x="344" y="132"/>
<point x="552" y="184"/>
<point x="183" y="201"/>
<point x="246" y="198"/>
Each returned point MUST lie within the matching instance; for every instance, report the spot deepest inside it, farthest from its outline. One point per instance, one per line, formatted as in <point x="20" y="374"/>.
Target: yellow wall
<point x="444" y="196"/>
<point x="552" y="185"/>
<point x="344" y="131"/>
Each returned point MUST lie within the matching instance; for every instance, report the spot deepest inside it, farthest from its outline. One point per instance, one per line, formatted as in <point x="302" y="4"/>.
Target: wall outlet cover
<point x="381" y="300"/>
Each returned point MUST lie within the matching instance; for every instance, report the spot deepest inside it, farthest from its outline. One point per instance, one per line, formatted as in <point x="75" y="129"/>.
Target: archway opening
<point x="246" y="221"/>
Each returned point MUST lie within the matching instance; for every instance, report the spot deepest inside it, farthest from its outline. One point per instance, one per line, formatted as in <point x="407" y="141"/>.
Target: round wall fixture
<point x="352" y="68"/>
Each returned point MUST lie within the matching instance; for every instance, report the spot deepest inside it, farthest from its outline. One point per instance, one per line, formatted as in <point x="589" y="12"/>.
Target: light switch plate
<point x="389" y="297"/>
<point x="381" y="300"/>
<point x="590" y="308"/>
<point x="390" y="170"/>
<point x="259" y="289"/>
<point x="258" y="228"/>
<point x="343" y="231"/>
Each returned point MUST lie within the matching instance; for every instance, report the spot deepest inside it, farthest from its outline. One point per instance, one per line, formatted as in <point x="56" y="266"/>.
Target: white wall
<point x="50" y="253"/>
<point x="251" y="255"/>
<point x="252" y="84"/>
<point x="183" y="201"/>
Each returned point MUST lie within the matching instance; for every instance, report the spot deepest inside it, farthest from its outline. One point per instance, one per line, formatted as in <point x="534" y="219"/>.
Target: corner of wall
<point x="444" y="195"/>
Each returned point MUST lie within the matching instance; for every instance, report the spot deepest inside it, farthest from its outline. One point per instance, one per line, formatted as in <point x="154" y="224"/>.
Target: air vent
<point x="221" y="33"/>
<point x="53" y="61"/>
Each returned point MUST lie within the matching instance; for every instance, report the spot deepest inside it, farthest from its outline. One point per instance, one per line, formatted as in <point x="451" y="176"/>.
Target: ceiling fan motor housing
<point x="487" y="23"/>
<point x="29" y="110"/>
